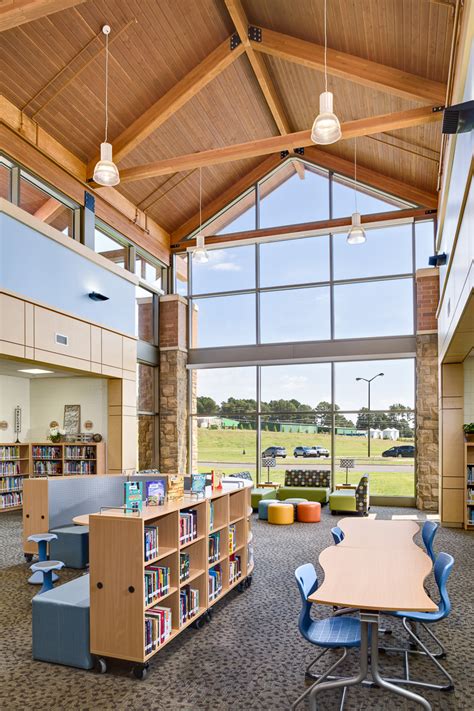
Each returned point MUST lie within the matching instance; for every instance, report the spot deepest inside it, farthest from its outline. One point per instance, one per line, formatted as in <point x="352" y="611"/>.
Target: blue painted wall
<point x="41" y="269"/>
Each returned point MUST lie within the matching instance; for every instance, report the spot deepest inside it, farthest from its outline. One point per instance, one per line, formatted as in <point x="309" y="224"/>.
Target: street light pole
<point x="369" y="381"/>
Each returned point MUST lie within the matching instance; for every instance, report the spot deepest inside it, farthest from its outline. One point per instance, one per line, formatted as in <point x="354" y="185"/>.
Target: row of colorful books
<point x="47" y="468"/>
<point x="214" y="546"/>
<point x="12" y="499"/>
<point x="188" y="603"/>
<point x="470" y="474"/>
<point x="7" y="468"/>
<point x="184" y="566"/>
<point x="232" y="537"/>
<point x="215" y="582"/>
<point x="235" y="568"/>
<point x="187" y="526"/>
<point x="79" y="467"/>
<point x="9" y="453"/>
<point x="46" y="452"/>
<point x="151" y="542"/>
<point x="80" y="452"/>
<point x="157" y="582"/>
<point x="157" y="627"/>
<point x="11" y="482"/>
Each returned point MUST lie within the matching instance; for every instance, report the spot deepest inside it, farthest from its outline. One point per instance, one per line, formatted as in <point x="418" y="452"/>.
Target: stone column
<point x="427" y="421"/>
<point x="173" y="386"/>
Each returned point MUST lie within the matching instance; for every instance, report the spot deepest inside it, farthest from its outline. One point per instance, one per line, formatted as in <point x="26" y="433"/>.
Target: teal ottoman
<point x="295" y="503"/>
<point x="258" y="495"/>
<point x="71" y="546"/>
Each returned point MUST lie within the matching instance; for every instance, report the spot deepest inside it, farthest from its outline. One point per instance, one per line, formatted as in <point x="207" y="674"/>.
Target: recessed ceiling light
<point x="34" y="371"/>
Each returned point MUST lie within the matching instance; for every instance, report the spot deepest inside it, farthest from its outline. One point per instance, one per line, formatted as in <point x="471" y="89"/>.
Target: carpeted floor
<point x="250" y="657"/>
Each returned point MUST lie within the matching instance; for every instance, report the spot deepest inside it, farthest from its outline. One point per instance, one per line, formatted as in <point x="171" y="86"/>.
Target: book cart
<point x="122" y="602"/>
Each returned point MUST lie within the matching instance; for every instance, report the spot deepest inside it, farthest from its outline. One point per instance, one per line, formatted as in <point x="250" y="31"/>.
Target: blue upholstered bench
<point x="61" y="625"/>
<point x="71" y="546"/>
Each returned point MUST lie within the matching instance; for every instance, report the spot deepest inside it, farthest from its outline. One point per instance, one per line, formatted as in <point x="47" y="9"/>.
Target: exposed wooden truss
<point x="348" y="66"/>
<point x="266" y="146"/>
<point x="18" y="12"/>
<point x="306" y="227"/>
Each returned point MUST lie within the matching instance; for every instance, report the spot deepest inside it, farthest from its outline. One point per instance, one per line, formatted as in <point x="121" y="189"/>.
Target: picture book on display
<point x="133" y="495"/>
<point x="198" y="484"/>
<point x="155" y="493"/>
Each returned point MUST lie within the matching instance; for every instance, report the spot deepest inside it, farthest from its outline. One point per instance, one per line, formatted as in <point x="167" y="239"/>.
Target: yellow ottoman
<point x="280" y="513"/>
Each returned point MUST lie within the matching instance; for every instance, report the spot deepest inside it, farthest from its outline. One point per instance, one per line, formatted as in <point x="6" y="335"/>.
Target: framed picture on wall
<point x="72" y="419"/>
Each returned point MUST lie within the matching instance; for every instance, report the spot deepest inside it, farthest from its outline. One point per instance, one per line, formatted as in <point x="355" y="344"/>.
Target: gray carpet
<point x="251" y="656"/>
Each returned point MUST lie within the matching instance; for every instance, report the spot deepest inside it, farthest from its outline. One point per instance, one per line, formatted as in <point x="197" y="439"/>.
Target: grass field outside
<point x="236" y="450"/>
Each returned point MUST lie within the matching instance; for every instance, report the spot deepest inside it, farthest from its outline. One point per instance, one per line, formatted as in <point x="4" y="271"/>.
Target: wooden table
<point x="346" y="486"/>
<point x="268" y="485"/>
<point x="82" y="520"/>
<point x="376" y="568"/>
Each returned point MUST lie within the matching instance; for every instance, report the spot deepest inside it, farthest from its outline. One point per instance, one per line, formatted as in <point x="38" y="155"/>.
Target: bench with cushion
<point x="306" y="484"/>
<point x="351" y="500"/>
<point x="71" y="546"/>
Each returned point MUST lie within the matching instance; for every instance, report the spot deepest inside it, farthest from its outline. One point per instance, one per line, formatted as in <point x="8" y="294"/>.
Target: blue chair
<point x="328" y="633"/>
<point x="337" y="534"/>
<point x="442" y="569"/>
<point x="45" y="569"/>
<point x="42" y="539"/>
<point x="428" y="533"/>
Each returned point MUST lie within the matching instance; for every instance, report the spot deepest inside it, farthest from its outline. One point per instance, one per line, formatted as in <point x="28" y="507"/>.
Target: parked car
<point x="405" y="450"/>
<point x="310" y="452"/>
<point x="274" y="452"/>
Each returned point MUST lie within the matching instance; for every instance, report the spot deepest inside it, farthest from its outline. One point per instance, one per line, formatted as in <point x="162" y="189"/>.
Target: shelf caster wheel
<point x="241" y="586"/>
<point x="248" y="581"/>
<point x="140" y="672"/>
<point x="100" y="665"/>
<point x="199" y="623"/>
<point x="28" y="557"/>
<point x="208" y="616"/>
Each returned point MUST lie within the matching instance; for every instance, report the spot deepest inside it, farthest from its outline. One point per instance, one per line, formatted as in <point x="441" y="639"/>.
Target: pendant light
<point x="326" y="127"/>
<point x="106" y="172"/>
<point x="200" y="253"/>
<point x="356" y="234"/>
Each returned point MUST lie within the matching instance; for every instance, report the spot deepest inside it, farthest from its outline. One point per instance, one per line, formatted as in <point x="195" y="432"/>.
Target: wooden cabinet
<point x="61" y="334"/>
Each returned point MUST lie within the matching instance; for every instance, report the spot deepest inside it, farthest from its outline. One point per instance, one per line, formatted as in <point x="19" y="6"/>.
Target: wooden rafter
<point x="18" y="12"/>
<point x="348" y="66"/>
<point x="174" y="99"/>
<point x="266" y="146"/>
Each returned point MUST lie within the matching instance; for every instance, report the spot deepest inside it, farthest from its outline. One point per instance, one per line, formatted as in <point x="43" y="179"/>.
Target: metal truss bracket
<point x="284" y="154"/>
<point x="89" y="201"/>
<point x="234" y="41"/>
<point x="299" y="151"/>
<point x="255" y="33"/>
<point x="437" y="109"/>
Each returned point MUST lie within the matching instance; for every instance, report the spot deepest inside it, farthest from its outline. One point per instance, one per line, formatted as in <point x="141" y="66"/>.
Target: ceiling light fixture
<point x="34" y="371"/>
<point x="356" y="234"/>
<point x="106" y="172"/>
<point x="200" y="253"/>
<point x="326" y="127"/>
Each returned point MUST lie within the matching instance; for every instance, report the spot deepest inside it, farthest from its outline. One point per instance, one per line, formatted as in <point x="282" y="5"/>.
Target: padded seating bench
<point x="305" y="484"/>
<point x="61" y="625"/>
<point x="71" y="546"/>
<point x="351" y="500"/>
<point x="258" y="495"/>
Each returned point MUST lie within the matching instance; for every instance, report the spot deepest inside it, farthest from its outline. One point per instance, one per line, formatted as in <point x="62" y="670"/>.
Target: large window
<point x="285" y="199"/>
<point x="110" y="247"/>
<point x="147" y="409"/>
<point x="47" y="204"/>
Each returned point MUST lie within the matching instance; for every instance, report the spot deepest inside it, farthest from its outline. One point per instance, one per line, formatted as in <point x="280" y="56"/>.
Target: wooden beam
<point x="17" y="12"/>
<point x="266" y="146"/>
<point x="307" y="227"/>
<point x="348" y="66"/>
<point x="174" y="99"/>
<point x="49" y="210"/>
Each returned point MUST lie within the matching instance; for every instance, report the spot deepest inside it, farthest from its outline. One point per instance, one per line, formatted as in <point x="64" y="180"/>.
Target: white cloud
<point x="226" y="267"/>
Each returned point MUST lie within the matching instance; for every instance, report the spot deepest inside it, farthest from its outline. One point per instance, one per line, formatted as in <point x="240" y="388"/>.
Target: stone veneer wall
<point x="427" y="422"/>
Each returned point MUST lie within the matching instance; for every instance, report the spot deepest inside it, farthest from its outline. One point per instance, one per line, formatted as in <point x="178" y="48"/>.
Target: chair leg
<point x="307" y="670"/>
<point x="320" y="678"/>
<point x="47" y="582"/>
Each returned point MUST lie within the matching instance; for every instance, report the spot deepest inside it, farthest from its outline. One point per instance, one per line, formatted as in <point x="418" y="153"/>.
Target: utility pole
<point x="369" y="381"/>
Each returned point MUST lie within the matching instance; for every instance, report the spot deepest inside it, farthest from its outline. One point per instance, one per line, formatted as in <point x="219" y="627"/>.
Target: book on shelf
<point x="188" y="603"/>
<point x="211" y="516"/>
<point x="133" y="496"/>
<point x="8" y="468"/>
<point x="214" y="546"/>
<point x="187" y="526"/>
<point x="157" y="582"/>
<point x="158" y="627"/>
<point x="9" y="452"/>
<point x="470" y="474"/>
<point x="46" y="452"/>
<point x="151" y="542"/>
<point x="232" y="537"/>
<point x="215" y="582"/>
<point x="80" y="452"/>
<point x="235" y="568"/>
<point x="184" y="566"/>
<point x="11" y="483"/>
<point x="11" y="499"/>
<point x="43" y="467"/>
<point x="80" y="466"/>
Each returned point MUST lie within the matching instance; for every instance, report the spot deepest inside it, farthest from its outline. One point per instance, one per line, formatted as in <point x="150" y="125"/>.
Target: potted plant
<point x="55" y="434"/>
<point x="469" y="432"/>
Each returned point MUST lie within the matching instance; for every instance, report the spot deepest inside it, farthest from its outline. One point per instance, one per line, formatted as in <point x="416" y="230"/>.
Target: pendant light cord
<point x="325" y="48"/>
<point x="106" y="85"/>
<point x="200" y="199"/>
<point x="355" y="171"/>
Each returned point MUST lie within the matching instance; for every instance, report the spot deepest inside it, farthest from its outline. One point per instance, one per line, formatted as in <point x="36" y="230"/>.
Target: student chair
<point x="428" y="533"/>
<point x="442" y="569"/>
<point x="328" y="633"/>
<point x="337" y="534"/>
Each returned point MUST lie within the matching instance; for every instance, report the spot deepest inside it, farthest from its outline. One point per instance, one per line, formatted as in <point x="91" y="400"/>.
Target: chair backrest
<point x="308" y="477"/>
<point x="442" y="569"/>
<point x="307" y="581"/>
<point x="362" y="494"/>
<point x="428" y="533"/>
<point x="337" y="534"/>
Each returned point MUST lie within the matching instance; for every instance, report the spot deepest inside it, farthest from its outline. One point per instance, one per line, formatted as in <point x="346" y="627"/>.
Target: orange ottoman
<point x="309" y="512"/>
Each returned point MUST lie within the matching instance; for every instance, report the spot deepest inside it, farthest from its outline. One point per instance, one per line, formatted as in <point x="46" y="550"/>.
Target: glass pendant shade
<point x="105" y="171"/>
<point x="326" y="127"/>
<point x="356" y="234"/>
<point x="200" y="254"/>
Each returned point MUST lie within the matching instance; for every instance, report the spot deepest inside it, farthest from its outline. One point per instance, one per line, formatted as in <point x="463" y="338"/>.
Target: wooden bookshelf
<point x="468" y="486"/>
<point x="117" y="569"/>
<point x="67" y="458"/>
<point x="14" y="467"/>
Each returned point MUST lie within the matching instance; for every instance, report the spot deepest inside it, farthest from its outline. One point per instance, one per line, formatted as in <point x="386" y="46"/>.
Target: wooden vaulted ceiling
<point x="55" y="73"/>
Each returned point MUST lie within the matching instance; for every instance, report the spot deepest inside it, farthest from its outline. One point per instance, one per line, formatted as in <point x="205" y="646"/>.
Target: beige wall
<point x="13" y="392"/>
<point x="469" y="389"/>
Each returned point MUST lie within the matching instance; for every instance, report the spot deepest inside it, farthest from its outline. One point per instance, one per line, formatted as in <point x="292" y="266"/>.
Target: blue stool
<point x="263" y="505"/>
<point x="45" y="569"/>
<point x="42" y="539"/>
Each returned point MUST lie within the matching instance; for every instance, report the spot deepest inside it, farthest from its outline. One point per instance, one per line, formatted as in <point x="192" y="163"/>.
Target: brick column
<point x="426" y="401"/>
<point x="173" y="386"/>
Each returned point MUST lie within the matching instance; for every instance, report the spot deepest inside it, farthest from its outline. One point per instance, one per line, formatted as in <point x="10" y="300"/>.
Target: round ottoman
<point x="309" y="512"/>
<point x="294" y="503"/>
<point x="263" y="508"/>
<point x="281" y="513"/>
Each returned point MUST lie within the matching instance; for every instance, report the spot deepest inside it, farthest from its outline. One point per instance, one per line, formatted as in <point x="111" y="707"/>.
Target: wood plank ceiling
<point x="155" y="44"/>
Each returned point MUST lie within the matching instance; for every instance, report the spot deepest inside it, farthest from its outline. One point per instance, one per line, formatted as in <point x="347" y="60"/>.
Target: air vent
<point x="62" y="340"/>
